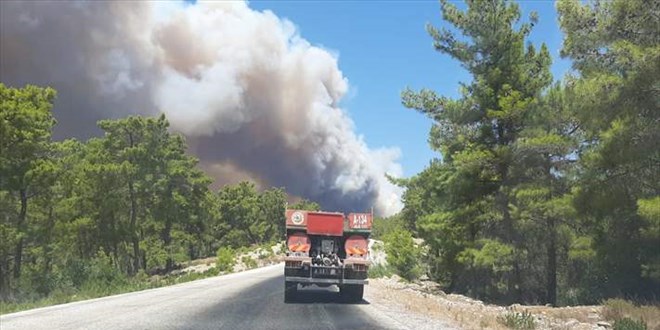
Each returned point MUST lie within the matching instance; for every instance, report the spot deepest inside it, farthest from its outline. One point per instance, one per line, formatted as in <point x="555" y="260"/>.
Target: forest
<point x="127" y="203"/>
<point x="547" y="189"/>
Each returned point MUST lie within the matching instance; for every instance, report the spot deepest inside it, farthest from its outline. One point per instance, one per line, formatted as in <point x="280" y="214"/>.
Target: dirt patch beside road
<point x="424" y="306"/>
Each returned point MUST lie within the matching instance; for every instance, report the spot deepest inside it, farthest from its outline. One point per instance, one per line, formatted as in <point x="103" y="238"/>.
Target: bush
<point x="377" y="246"/>
<point x="616" y="309"/>
<point x="402" y="254"/>
<point x="98" y="278"/>
<point x="249" y="262"/>
<point x="631" y="316"/>
<point x="384" y="226"/>
<point x="213" y="271"/>
<point x="518" y="321"/>
<point x="101" y="270"/>
<point x="379" y="270"/>
<point x="265" y="253"/>
<point x="225" y="259"/>
<point x="627" y="323"/>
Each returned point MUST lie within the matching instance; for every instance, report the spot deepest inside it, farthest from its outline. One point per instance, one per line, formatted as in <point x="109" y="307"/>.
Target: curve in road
<point x="249" y="300"/>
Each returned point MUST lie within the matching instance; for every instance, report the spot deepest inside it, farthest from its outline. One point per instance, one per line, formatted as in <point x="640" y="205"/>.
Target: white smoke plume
<point x="253" y="98"/>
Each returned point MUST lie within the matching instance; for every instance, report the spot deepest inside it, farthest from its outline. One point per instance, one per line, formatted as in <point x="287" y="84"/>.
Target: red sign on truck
<point x="331" y="224"/>
<point x="359" y="220"/>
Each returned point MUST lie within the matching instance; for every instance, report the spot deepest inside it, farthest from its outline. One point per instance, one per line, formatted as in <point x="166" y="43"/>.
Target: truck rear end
<point x="327" y="248"/>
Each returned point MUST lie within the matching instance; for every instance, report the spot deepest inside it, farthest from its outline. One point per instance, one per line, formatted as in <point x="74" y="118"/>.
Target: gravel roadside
<point x="396" y="309"/>
<point x="424" y="306"/>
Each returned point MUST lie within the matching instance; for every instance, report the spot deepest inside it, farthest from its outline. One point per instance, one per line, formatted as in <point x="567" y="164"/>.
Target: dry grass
<point x="616" y="309"/>
<point x="459" y="313"/>
<point x="197" y="262"/>
<point x="466" y="313"/>
<point x="579" y="313"/>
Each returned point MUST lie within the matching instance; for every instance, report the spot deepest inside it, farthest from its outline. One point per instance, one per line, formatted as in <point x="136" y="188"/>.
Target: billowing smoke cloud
<point x="253" y="98"/>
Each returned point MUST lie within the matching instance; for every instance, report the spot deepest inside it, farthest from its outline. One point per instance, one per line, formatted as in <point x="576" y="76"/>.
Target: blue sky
<point x="383" y="47"/>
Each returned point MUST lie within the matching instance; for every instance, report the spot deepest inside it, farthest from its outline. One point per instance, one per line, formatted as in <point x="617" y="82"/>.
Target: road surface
<point x="249" y="300"/>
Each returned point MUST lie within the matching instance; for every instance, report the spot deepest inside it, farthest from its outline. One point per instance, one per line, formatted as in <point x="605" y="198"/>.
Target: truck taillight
<point x="298" y="243"/>
<point x="356" y="246"/>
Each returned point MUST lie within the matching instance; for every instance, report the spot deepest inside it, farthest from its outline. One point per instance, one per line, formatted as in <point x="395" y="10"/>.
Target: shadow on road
<point x="316" y="295"/>
<point x="261" y="306"/>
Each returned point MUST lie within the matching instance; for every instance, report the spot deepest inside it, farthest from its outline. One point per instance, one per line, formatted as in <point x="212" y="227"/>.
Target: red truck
<point x="327" y="248"/>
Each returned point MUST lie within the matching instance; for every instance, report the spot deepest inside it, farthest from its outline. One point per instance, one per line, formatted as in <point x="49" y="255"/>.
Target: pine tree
<point x="26" y="122"/>
<point x="615" y="48"/>
<point x="472" y="230"/>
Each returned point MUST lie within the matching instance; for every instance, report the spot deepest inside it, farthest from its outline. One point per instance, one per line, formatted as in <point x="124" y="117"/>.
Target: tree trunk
<point x="251" y="237"/>
<point x="49" y="234"/>
<point x="514" y="281"/>
<point x="167" y="240"/>
<point x="144" y="261"/>
<point x="551" y="269"/>
<point x="134" y="232"/>
<point x="551" y="285"/>
<point x="21" y="229"/>
<point x="191" y="251"/>
<point x="5" y="283"/>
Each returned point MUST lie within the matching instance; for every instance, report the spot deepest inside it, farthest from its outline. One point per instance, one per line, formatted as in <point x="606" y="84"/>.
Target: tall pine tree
<point x="615" y="48"/>
<point x="472" y="228"/>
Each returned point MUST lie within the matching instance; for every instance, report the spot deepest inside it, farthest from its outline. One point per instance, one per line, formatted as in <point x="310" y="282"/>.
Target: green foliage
<point x="379" y="271"/>
<point x="544" y="192"/>
<point x="249" y="262"/>
<point x="91" y="218"/>
<point x="491" y="256"/>
<point x="250" y="217"/>
<point x="581" y="249"/>
<point x="403" y="255"/>
<point x="518" y="320"/>
<point x="99" y="289"/>
<point x="225" y="259"/>
<point x="265" y="252"/>
<point x="102" y="272"/>
<point x="26" y="169"/>
<point x="629" y="324"/>
<point x="615" y="309"/>
<point x="485" y="209"/>
<point x="305" y="204"/>
<point x="628" y="315"/>
<point x="272" y="204"/>
<point x="384" y="226"/>
<point x="283" y="247"/>
<point x="615" y="49"/>
<point x="649" y="209"/>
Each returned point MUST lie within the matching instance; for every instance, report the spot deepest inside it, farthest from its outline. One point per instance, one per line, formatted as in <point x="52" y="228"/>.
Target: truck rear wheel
<point x="290" y="289"/>
<point x="352" y="292"/>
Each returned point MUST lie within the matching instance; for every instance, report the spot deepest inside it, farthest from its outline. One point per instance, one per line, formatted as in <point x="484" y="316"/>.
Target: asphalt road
<point x="247" y="300"/>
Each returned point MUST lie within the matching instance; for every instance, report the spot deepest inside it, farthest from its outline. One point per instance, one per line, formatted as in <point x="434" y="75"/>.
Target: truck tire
<point x="352" y="292"/>
<point x="290" y="289"/>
